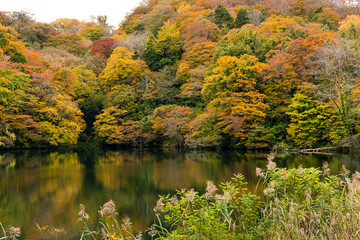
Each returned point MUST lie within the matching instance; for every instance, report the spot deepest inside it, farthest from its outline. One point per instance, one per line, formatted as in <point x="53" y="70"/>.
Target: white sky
<point x="50" y="10"/>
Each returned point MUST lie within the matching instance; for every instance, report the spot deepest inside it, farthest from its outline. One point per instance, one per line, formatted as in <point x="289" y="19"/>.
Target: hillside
<point x="186" y="74"/>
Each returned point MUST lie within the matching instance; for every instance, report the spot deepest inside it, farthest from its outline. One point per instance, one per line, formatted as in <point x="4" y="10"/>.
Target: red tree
<point x="103" y="48"/>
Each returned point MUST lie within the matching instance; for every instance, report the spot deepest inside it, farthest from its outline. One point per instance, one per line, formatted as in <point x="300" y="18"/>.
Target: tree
<point x="223" y="19"/>
<point x="301" y="50"/>
<point x="103" y="48"/>
<point x="122" y="69"/>
<point x="326" y="16"/>
<point x="241" y="18"/>
<point x="171" y="123"/>
<point x="135" y="43"/>
<point x="100" y="19"/>
<point x="204" y="131"/>
<point x="192" y="70"/>
<point x="149" y="54"/>
<point x="156" y="18"/>
<point x="67" y="25"/>
<point x="38" y="111"/>
<point x="279" y="83"/>
<point x="199" y="54"/>
<point x="201" y="28"/>
<point x="244" y="41"/>
<point x="113" y="125"/>
<point x="86" y="86"/>
<point x="282" y="29"/>
<point x="350" y="27"/>
<point x="17" y="109"/>
<point x="230" y="88"/>
<point x="164" y="50"/>
<point x="69" y="42"/>
<point x="11" y="46"/>
<point x="93" y="33"/>
<point x="255" y="16"/>
<point x="165" y="81"/>
<point x="88" y="95"/>
<point x="336" y="67"/>
<point x="312" y="125"/>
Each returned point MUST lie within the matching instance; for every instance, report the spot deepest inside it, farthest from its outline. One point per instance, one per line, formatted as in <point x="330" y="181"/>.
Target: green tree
<point x="204" y="130"/>
<point x="223" y="19"/>
<point x="93" y="33"/>
<point x="164" y="50"/>
<point x="244" y="41"/>
<point x="88" y="94"/>
<point x="312" y="125"/>
<point x="149" y="54"/>
<point x="241" y="18"/>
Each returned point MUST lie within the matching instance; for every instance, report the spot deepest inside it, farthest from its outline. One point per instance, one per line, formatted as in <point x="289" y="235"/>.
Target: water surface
<point x="46" y="187"/>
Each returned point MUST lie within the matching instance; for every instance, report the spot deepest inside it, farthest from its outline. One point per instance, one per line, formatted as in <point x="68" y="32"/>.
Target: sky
<point x="49" y="10"/>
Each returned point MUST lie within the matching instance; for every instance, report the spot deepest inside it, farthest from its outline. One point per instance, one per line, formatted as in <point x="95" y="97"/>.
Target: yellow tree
<point x="231" y="90"/>
<point x="11" y="46"/>
<point x="121" y="68"/>
<point x="164" y="50"/>
<point x="350" y="27"/>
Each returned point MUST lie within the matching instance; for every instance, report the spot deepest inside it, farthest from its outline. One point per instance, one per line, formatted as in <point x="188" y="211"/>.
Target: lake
<point x="46" y="187"/>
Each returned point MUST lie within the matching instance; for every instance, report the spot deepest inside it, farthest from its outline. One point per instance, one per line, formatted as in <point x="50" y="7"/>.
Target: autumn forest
<point x="186" y="74"/>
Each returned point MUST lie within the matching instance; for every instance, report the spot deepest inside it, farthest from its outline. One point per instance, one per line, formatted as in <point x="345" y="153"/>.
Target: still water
<point x="46" y="187"/>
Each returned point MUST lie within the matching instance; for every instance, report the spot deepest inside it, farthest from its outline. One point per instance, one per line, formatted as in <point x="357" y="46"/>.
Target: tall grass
<point x="10" y="233"/>
<point x="301" y="203"/>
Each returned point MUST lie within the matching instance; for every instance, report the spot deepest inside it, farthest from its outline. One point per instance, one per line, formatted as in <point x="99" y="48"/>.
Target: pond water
<point x="46" y="187"/>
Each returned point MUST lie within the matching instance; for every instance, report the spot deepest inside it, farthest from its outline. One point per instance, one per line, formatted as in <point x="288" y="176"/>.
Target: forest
<point x="185" y="74"/>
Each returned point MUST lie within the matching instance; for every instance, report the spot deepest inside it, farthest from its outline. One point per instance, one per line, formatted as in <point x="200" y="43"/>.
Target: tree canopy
<point x="189" y="74"/>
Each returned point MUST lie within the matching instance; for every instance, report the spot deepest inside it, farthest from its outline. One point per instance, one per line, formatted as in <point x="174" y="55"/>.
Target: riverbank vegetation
<point x="296" y="203"/>
<point x="193" y="74"/>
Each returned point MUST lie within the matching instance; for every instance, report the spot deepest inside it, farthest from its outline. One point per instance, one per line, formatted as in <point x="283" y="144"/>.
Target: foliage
<point x="231" y="215"/>
<point x="223" y="19"/>
<point x="93" y="33"/>
<point x="11" y="46"/>
<point x="204" y="131"/>
<point x="201" y="28"/>
<point x="121" y="68"/>
<point x="237" y="79"/>
<point x="67" y="25"/>
<point x="113" y="125"/>
<point x="244" y="41"/>
<point x="164" y="50"/>
<point x="171" y="123"/>
<point x="298" y="204"/>
<point x="241" y="18"/>
<point x="103" y="48"/>
<point x="69" y="42"/>
<point x="231" y="90"/>
<point x="350" y="27"/>
<point x="327" y="17"/>
<point x="312" y="126"/>
<point x="337" y="72"/>
<point x="309" y="203"/>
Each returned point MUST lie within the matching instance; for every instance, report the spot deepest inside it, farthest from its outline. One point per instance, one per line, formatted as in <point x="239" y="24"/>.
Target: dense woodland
<point x="187" y="74"/>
